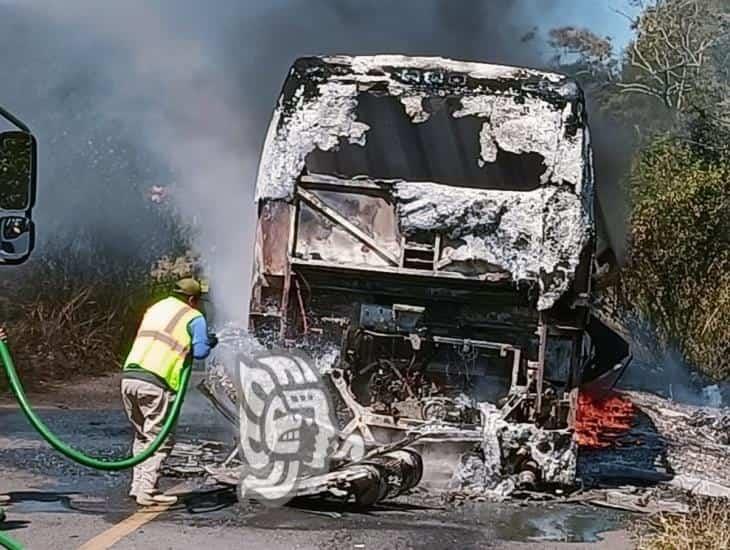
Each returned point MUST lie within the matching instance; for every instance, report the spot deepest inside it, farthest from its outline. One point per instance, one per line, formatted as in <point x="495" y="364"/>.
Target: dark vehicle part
<point x="380" y="477"/>
<point x="18" y="162"/>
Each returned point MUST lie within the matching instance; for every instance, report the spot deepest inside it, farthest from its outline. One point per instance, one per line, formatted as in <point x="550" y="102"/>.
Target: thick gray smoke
<point x="127" y="95"/>
<point x="135" y="95"/>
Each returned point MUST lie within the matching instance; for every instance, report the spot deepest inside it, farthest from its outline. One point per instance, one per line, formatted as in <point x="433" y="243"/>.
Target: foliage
<point x="592" y="55"/>
<point x="676" y="68"/>
<point x="679" y="270"/>
<point x="169" y="268"/>
<point x="593" y="62"/>
<point x="672" y="85"/>
<point x="707" y="526"/>
<point x="75" y="312"/>
<point x="672" y="54"/>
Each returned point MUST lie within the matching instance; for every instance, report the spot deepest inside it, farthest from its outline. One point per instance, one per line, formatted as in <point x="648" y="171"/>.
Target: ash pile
<point x="190" y="459"/>
<point x="664" y="442"/>
<point x="630" y="450"/>
<point x="514" y="459"/>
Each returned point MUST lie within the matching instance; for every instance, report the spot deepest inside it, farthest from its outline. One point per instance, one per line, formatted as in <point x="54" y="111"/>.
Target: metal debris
<point x="380" y="477"/>
<point x="189" y="458"/>
<point x="514" y="456"/>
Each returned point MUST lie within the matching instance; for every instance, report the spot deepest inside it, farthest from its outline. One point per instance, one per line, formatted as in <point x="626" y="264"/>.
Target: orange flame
<point x="602" y="420"/>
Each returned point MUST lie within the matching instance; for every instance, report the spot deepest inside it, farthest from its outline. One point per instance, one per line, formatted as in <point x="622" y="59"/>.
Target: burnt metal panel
<point x="273" y="236"/>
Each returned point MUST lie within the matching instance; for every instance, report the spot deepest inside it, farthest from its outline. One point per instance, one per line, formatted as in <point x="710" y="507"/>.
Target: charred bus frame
<point x="397" y="266"/>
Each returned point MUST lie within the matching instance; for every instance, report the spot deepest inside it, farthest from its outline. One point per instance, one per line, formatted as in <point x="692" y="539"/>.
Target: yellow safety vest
<point x="163" y="342"/>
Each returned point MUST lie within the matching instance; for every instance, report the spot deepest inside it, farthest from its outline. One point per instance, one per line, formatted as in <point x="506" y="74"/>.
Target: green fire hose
<point x="75" y="454"/>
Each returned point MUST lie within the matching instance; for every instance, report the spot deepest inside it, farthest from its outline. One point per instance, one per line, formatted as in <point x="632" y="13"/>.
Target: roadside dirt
<point x="89" y="393"/>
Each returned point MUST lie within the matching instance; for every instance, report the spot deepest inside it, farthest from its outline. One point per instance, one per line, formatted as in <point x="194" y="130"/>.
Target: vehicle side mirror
<point x="17" y="195"/>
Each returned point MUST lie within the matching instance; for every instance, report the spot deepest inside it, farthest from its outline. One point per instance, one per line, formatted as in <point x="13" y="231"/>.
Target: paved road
<point x="57" y="505"/>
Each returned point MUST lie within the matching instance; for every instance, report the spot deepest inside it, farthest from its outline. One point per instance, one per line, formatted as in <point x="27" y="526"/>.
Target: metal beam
<point x="542" y="332"/>
<point x="475" y="343"/>
<point x="334" y="183"/>
<point x="424" y="273"/>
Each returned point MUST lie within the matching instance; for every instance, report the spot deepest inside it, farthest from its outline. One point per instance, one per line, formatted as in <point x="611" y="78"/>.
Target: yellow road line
<point x="127" y="526"/>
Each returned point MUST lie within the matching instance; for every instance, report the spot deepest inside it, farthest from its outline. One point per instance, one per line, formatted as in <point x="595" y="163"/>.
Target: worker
<point x="173" y="332"/>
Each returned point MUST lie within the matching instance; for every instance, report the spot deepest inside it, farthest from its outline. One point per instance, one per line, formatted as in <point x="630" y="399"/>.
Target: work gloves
<point x="212" y="339"/>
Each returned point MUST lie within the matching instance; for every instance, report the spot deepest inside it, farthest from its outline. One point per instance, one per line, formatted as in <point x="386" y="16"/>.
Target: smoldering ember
<point x="471" y="322"/>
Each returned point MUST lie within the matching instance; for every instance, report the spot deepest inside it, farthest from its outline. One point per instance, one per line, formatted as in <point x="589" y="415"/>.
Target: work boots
<point x="154" y="499"/>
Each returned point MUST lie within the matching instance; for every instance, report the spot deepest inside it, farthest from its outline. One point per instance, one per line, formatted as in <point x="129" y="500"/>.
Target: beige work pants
<point x="146" y="406"/>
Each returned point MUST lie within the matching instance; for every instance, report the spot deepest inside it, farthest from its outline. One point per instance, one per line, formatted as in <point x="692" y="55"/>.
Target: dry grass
<point x="706" y="527"/>
<point x="67" y="318"/>
<point x="75" y="325"/>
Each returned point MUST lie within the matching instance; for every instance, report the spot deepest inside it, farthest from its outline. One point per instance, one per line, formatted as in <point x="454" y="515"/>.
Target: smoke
<point x="661" y="369"/>
<point x="148" y="77"/>
<point x="613" y="148"/>
<point x="126" y="95"/>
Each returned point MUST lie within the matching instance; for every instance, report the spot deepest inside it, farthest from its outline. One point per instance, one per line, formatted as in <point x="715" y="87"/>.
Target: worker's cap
<point x="188" y="287"/>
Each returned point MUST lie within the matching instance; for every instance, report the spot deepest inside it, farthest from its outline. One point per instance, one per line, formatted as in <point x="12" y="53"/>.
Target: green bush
<point x="679" y="271"/>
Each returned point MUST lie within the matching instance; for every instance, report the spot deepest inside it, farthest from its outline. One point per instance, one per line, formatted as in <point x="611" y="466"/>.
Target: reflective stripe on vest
<point x="163" y="343"/>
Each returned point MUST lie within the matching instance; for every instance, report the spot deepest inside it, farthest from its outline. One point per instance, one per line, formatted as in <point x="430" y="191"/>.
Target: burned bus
<point x="427" y="226"/>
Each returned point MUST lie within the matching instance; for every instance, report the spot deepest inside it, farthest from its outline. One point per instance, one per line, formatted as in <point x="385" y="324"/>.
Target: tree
<point x="591" y="55"/>
<point x="672" y="84"/>
<point x="677" y="67"/>
<point x="592" y="61"/>
<point x="679" y="56"/>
